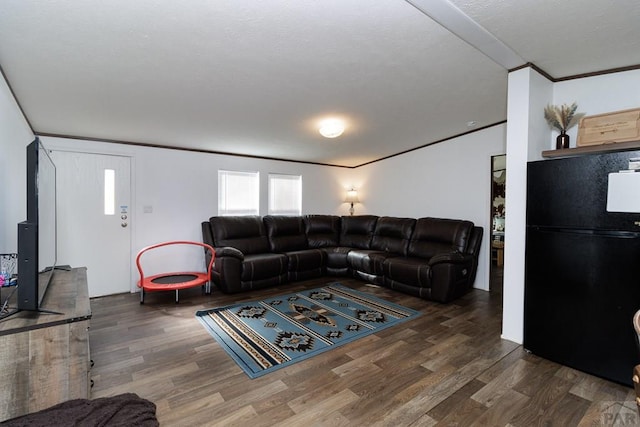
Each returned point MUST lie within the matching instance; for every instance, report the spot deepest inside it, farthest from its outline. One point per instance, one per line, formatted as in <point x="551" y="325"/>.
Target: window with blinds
<point x="238" y="193"/>
<point x="285" y="194"/>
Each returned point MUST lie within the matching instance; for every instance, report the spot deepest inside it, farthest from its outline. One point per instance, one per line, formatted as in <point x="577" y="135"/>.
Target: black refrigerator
<point x="582" y="267"/>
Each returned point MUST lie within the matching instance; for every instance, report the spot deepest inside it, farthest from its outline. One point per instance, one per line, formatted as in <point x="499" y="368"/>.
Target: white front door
<point x="94" y="218"/>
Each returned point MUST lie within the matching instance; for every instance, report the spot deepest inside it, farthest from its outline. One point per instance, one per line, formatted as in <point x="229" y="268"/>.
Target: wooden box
<point x="619" y="126"/>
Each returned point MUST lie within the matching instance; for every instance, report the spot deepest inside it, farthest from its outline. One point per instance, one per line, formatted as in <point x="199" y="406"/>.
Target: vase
<point x="562" y="141"/>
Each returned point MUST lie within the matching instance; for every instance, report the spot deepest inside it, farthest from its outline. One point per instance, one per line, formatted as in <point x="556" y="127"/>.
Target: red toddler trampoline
<point x="174" y="281"/>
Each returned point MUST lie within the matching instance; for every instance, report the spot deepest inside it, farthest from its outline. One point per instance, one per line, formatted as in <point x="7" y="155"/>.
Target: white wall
<point x="15" y="134"/>
<point x="181" y="187"/>
<point x="599" y="94"/>
<point x="449" y="180"/>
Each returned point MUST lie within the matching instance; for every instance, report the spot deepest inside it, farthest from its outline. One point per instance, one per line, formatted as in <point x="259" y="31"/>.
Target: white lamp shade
<point x="352" y="197"/>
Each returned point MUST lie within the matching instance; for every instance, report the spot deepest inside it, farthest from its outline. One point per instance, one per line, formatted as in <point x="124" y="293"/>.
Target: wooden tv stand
<point x="44" y="358"/>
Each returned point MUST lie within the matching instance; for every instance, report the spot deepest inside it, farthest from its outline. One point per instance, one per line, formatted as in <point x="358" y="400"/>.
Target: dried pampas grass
<point x="562" y="117"/>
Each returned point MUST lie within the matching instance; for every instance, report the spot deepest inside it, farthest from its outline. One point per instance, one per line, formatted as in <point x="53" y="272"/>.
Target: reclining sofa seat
<point x="440" y="262"/>
<point x="389" y="238"/>
<point x="323" y="232"/>
<point x="356" y="233"/>
<point x="287" y="235"/>
<point x="243" y="257"/>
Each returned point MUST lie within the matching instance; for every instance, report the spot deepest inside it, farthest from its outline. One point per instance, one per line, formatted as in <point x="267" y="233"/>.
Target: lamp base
<point x="351" y="210"/>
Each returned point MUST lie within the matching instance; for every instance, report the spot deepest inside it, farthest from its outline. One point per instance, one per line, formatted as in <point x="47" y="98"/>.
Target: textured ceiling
<point x="565" y="37"/>
<point x="254" y="78"/>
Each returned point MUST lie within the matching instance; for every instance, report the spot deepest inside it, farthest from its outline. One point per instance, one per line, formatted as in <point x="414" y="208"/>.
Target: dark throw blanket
<point x="122" y="410"/>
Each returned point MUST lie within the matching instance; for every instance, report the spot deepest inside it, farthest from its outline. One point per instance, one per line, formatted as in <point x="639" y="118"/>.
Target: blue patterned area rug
<point x="262" y="336"/>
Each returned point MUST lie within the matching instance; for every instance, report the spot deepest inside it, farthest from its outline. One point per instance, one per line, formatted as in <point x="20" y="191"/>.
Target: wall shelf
<point x="592" y="149"/>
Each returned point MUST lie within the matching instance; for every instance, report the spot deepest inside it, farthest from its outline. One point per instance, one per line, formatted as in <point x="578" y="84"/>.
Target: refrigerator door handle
<point x="620" y="234"/>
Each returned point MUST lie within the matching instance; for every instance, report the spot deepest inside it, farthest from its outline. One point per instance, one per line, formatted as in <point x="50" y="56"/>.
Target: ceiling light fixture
<point x="331" y="128"/>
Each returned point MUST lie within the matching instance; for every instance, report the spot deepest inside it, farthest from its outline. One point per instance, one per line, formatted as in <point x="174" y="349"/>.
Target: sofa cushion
<point x="367" y="261"/>
<point x="357" y="231"/>
<point x="433" y="236"/>
<point x="285" y="233"/>
<point x="308" y="259"/>
<point x="322" y="230"/>
<point x="409" y="270"/>
<point x="337" y="260"/>
<point x="306" y="264"/>
<point x="245" y="233"/>
<point x="392" y="235"/>
<point x="262" y="266"/>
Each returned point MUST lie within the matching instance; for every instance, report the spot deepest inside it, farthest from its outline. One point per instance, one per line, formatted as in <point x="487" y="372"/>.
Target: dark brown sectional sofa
<point x="433" y="258"/>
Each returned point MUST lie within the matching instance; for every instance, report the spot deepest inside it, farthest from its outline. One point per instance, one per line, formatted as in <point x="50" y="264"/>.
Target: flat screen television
<point x="37" y="236"/>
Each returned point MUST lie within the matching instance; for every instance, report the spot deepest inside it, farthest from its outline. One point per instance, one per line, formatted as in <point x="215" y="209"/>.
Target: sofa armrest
<point x="227" y="269"/>
<point x="450" y="275"/>
<point x="228" y="251"/>
<point x="450" y="258"/>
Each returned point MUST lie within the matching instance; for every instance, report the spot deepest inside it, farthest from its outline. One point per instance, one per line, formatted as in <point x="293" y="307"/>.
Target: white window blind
<point x="285" y="194"/>
<point x="238" y="193"/>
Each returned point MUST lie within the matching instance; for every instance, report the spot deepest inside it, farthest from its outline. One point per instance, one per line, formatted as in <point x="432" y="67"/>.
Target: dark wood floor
<point x="447" y="367"/>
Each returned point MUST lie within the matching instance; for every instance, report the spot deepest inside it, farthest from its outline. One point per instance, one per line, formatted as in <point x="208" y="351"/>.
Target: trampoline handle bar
<point x="175" y="242"/>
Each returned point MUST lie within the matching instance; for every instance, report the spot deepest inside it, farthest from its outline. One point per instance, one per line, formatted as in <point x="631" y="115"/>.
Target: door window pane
<point x="109" y="192"/>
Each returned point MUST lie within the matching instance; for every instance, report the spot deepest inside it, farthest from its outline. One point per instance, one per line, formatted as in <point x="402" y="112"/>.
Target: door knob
<point x="123" y="224"/>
